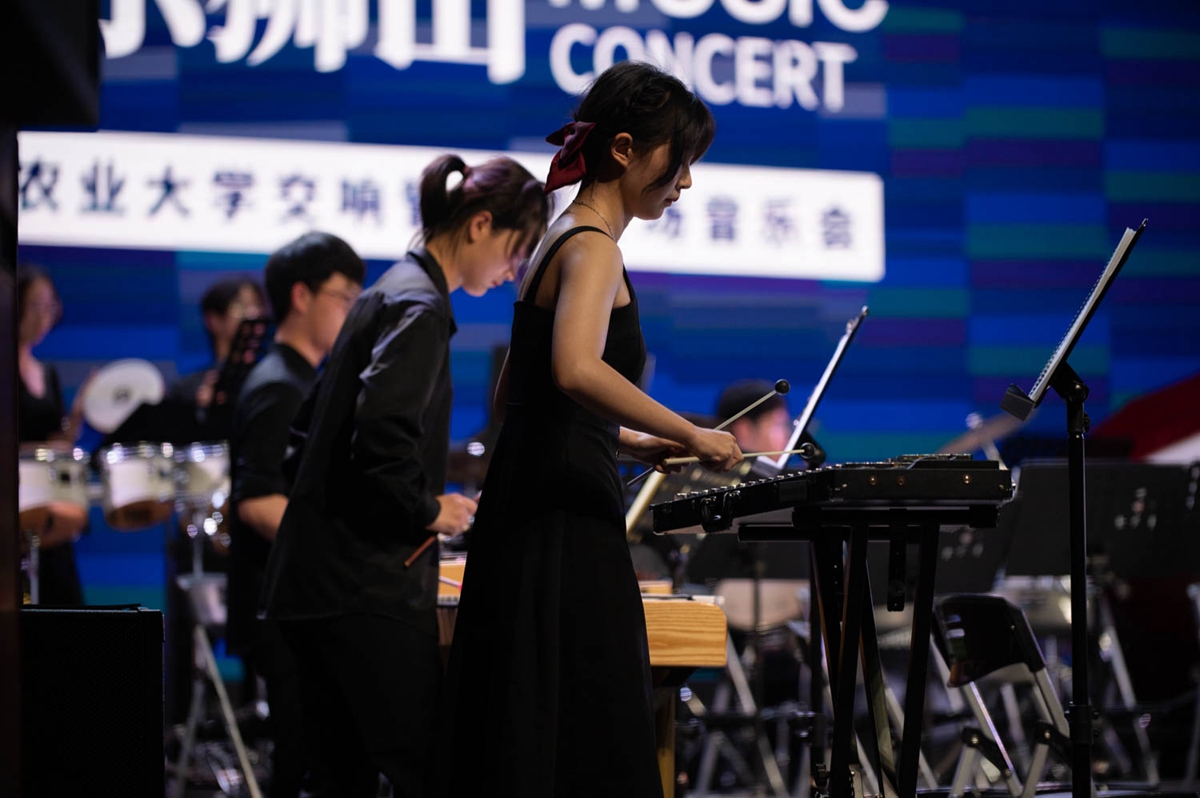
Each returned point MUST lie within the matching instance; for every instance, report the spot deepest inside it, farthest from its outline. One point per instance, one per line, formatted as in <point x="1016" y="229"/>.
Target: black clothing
<point x="272" y="393"/>
<point x="548" y="689"/>
<point x="369" y="689"/>
<point x="38" y="419"/>
<point x="270" y="397"/>
<point x="373" y="460"/>
<point x="184" y="389"/>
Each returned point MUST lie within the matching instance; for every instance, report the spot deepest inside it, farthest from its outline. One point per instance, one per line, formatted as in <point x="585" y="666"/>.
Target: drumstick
<point x="445" y="580"/>
<point x="672" y="461"/>
<point x="781" y="388"/>
<point x="412" y="558"/>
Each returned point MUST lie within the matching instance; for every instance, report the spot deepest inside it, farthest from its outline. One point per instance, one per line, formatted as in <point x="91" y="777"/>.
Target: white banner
<point x="173" y="192"/>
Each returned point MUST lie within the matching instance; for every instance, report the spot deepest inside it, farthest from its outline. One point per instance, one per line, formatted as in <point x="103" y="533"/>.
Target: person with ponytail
<point x="548" y="691"/>
<point x="353" y="572"/>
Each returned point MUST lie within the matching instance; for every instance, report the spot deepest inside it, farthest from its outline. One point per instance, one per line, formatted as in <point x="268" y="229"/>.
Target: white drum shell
<point x="139" y="483"/>
<point x="50" y="474"/>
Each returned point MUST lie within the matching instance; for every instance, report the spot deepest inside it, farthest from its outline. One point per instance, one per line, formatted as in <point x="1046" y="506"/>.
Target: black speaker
<point x="92" y="702"/>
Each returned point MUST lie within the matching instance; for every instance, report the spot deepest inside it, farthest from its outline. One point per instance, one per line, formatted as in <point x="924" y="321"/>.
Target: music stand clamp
<point x="1059" y="376"/>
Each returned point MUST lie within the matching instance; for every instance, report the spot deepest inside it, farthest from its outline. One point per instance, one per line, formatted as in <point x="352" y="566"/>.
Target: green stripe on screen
<point x="996" y="241"/>
<point x="219" y="261"/>
<point x="854" y="448"/>
<point x="921" y="20"/>
<point x="999" y="361"/>
<point x="1034" y="123"/>
<point x="154" y="598"/>
<point x="919" y="134"/>
<point x="1164" y="263"/>
<point x="1157" y="44"/>
<point x="919" y="303"/>
<point x="1152" y="186"/>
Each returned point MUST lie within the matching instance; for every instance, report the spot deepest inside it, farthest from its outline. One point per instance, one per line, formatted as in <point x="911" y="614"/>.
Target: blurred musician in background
<point x="549" y="690"/>
<point x="767" y="427"/>
<point x="312" y="283"/>
<point x="43" y="419"/>
<point x="223" y="307"/>
<point x="353" y="573"/>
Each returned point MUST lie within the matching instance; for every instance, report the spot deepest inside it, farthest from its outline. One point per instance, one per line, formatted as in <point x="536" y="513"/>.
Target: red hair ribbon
<point x="568" y="166"/>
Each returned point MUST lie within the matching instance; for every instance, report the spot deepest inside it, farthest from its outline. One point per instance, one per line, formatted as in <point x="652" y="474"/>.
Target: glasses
<point x="343" y="297"/>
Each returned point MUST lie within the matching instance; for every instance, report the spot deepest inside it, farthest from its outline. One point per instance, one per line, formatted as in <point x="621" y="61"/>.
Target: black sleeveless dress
<point x="548" y="688"/>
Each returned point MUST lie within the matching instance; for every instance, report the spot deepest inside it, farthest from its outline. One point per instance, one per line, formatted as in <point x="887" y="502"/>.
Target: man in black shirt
<point x="312" y="283"/>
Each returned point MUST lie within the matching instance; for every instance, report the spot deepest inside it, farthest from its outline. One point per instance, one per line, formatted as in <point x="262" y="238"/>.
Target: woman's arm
<point x="589" y="280"/>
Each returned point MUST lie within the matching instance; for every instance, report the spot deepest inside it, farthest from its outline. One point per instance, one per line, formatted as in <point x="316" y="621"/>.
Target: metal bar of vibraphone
<point x="847" y="664"/>
<point x="918" y="661"/>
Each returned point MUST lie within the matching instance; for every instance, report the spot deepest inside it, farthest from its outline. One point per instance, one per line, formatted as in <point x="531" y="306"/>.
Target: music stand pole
<point x="1068" y="385"/>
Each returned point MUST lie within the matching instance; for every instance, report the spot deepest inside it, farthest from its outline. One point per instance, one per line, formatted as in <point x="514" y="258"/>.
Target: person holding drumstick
<point x="312" y="283"/>
<point x="548" y="687"/>
<point x="354" y="569"/>
<point x="43" y="419"/>
<point x="222" y="308"/>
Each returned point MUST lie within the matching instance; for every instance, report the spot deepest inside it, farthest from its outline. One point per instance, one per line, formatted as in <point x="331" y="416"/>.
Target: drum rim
<point x="49" y="452"/>
<point x="137" y="449"/>
<point x="183" y="452"/>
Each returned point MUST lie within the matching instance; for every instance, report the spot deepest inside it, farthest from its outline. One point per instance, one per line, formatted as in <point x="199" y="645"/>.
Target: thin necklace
<point x="593" y="210"/>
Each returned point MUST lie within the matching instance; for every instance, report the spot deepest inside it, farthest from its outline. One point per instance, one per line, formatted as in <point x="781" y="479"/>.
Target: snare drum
<point x="49" y="474"/>
<point x="139" y="484"/>
<point x="203" y="474"/>
<point x="203" y="485"/>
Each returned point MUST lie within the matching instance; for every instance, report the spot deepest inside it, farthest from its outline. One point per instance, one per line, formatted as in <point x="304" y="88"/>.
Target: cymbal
<point x="991" y="430"/>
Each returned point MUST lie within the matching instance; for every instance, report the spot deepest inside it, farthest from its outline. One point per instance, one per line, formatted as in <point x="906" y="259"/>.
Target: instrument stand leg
<point x="209" y="668"/>
<point x="189" y="738"/>
<point x="35" y="547"/>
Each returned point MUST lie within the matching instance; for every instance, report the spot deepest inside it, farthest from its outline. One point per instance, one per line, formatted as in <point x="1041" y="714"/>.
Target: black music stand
<point x="1059" y="376"/>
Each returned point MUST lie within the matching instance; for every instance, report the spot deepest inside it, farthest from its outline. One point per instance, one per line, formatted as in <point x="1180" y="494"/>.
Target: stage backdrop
<point x="963" y="167"/>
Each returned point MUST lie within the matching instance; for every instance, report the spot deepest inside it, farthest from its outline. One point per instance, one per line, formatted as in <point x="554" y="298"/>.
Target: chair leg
<point x="964" y="770"/>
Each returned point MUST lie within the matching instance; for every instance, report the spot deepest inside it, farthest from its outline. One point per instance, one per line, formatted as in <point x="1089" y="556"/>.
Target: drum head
<point x="117" y="389"/>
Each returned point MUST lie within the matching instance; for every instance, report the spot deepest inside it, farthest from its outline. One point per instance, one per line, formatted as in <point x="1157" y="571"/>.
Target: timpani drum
<point x="49" y="474"/>
<point x="139" y="484"/>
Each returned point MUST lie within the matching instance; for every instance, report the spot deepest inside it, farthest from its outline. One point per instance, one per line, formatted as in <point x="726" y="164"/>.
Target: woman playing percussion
<point x="43" y="420"/>
<point x="353" y="572"/>
<point x="548" y="688"/>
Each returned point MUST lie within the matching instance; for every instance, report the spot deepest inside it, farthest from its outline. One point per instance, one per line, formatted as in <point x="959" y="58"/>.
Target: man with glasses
<point x="312" y="284"/>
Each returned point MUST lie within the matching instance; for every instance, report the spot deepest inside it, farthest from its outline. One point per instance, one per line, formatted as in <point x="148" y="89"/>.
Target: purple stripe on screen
<point x="881" y="333"/>
<point x="1163" y="215"/>
<point x="921" y="48"/>
<point x="915" y="163"/>
<point x="995" y="152"/>
<point x="1128" y="290"/>
<point x="1034" y="273"/>
<point x="1153" y="73"/>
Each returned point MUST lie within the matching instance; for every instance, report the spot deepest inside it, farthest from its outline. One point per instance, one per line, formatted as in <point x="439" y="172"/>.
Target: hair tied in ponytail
<point x="568" y="165"/>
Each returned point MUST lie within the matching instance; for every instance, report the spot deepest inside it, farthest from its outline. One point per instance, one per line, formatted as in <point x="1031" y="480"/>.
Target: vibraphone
<point x="838" y="510"/>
